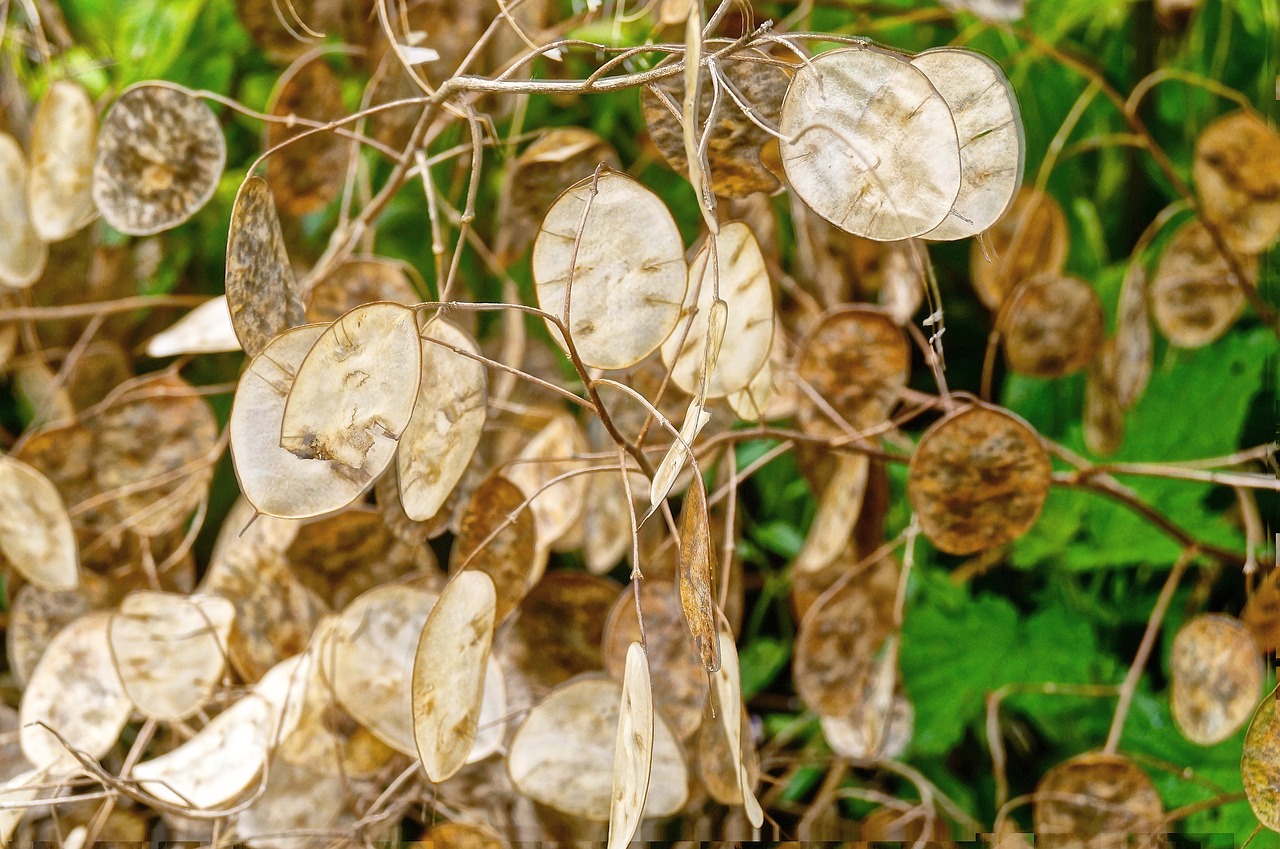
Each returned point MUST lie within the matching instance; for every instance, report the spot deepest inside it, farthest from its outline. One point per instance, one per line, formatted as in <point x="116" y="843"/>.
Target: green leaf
<point x="761" y="660"/>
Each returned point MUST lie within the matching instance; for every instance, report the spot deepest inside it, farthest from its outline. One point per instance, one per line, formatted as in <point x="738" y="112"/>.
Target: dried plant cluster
<point x="483" y="579"/>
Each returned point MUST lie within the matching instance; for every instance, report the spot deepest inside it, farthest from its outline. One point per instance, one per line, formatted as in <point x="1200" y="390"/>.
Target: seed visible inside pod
<point x="978" y="479"/>
<point x="262" y="293"/>
<point x="869" y="144"/>
<point x="160" y="155"/>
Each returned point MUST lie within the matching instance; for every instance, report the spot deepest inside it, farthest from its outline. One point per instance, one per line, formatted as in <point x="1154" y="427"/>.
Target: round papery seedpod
<point x="746" y="334"/>
<point x="1195" y="296"/>
<point x="562" y="754"/>
<point x="1216" y="675"/>
<point x="869" y="144"/>
<point x="561" y="626"/>
<point x="362" y="280"/>
<point x="626" y="265"/>
<point x="1051" y="326"/>
<point x="1029" y="239"/>
<point x="22" y="252"/>
<point x="488" y="541"/>
<point x="306" y="174"/>
<point x="63" y="133"/>
<point x="633" y="750"/>
<point x="160" y="156"/>
<point x="1094" y="795"/>
<point x="262" y="293"/>
<point x="1237" y="175"/>
<point x="557" y="509"/>
<point x="737" y="145"/>
<point x="989" y="129"/>
<point x="1260" y="762"/>
<point x="978" y="479"/>
<point x="36" y="538"/>
<point x="207" y="329"/>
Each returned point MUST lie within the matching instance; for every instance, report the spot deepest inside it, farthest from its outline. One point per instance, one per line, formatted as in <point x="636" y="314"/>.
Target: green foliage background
<point x="1070" y="600"/>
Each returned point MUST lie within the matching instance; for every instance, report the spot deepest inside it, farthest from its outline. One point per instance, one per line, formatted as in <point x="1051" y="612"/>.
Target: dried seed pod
<point x="697" y="575"/>
<point x="170" y="650"/>
<point x="733" y="258"/>
<point x="837" y="514"/>
<point x="273" y="479"/>
<point x="1103" y="414"/>
<point x="560" y="628"/>
<point x="436" y="446"/>
<point x="557" y="507"/>
<point x="1260" y="762"/>
<point x="736" y="142"/>
<point x="306" y="174"/>
<point x="561" y="157"/>
<point x="1051" y="325"/>
<point x="1237" y="174"/>
<point x="457" y="835"/>
<point x="63" y="133"/>
<point x="36" y="616"/>
<point x="207" y="329"/>
<point x="989" y="129"/>
<point x="356" y="389"/>
<point x="836" y="646"/>
<point x="978" y="479"/>
<point x="626" y="268"/>
<point x="1029" y="239"/>
<point x="858" y="360"/>
<point x="679" y="679"/>
<point x="35" y="531"/>
<point x="726" y="683"/>
<point x="361" y="280"/>
<point x="159" y="159"/>
<point x="511" y="555"/>
<point x="632" y="750"/>
<point x="262" y="293"/>
<point x="75" y="693"/>
<point x="22" y="253"/>
<point x="870" y="144"/>
<point x="291" y="29"/>
<point x="1195" y="296"/>
<point x="295" y="799"/>
<point x="448" y="673"/>
<point x="876" y="729"/>
<point x="1133" y="348"/>
<point x="161" y="426"/>
<point x="1216" y="674"/>
<point x="562" y="755"/>
<point x="1261" y="614"/>
<point x="1097" y="799"/>
<point x="369" y="660"/>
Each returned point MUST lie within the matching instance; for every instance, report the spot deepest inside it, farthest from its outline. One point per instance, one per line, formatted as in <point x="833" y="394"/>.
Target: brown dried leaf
<point x="978" y="479"/>
<point x="679" y="679"/>
<point x="306" y="174"/>
<point x="510" y="556"/>
<point x="63" y="133"/>
<point x="562" y="755"/>
<point x="447" y="423"/>
<point x="561" y="625"/>
<point x="35" y="531"/>
<point x="697" y="575"/>
<point x="261" y="290"/>
<point x="747" y="334"/>
<point x="632" y="750"/>
<point x="989" y="129"/>
<point x="1260" y="762"/>
<point x="159" y="159"/>
<point x="161" y="437"/>
<point x="170" y="650"/>
<point x="561" y="157"/>
<point x="22" y="253"/>
<point x="1216" y="674"/>
<point x="627" y="270"/>
<point x="858" y="360"/>
<point x="1237" y="173"/>
<point x="1029" y="239"/>
<point x="837" y="644"/>
<point x="356" y="389"/>
<point x="361" y="280"/>
<point x="448" y="673"/>
<point x="1194" y="295"/>
<point x="870" y="144"/>
<point x="75" y="692"/>
<point x="1051" y="325"/>
<point x="736" y="142"/>
<point x="1122" y="804"/>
